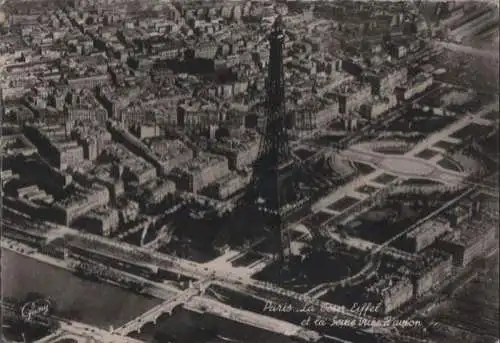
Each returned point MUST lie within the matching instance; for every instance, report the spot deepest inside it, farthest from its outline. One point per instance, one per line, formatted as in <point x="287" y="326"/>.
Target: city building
<point x="431" y="267"/>
<point x="17" y="145"/>
<point x="240" y="151"/>
<point x="45" y="174"/>
<point x="106" y="174"/>
<point x="128" y="211"/>
<point x="227" y="186"/>
<point x="352" y="95"/>
<point x="469" y="240"/>
<point x="378" y="107"/>
<point x="419" y="84"/>
<point x="101" y="221"/>
<point x="425" y="234"/>
<point x="201" y="171"/>
<point x="34" y="194"/>
<point x="197" y="115"/>
<point x="116" y="100"/>
<point x="391" y="291"/>
<point x="54" y="144"/>
<point x="92" y="137"/>
<point x="154" y="193"/>
<point x="133" y="169"/>
<point x="460" y="213"/>
<point x="83" y="106"/>
<point x="79" y="202"/>
<point x="138" y="171"/>
<point x="385" y="79"/>
<point x="169" y="153"/>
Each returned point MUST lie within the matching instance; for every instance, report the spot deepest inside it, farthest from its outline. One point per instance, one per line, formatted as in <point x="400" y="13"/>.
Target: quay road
<point x="191" y="299"/>
<point x="84" y="333"/>
<point x="200" y="304"/>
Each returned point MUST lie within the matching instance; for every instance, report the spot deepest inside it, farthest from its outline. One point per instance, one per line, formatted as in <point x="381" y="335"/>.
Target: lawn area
<point x="427" y="154"/>
<point x="394" y="215"/>
<point x="445" y="145"/>
<point x="343" y="203"/>
<point x="317" y="219"/>
<point x="363" y="168"/>
<point x="449" y="164"/>
<point x="471" y="130"/>
<point x="384" y="179"/>
<point x="304" y="275"/>
<point x="380" y="224"/>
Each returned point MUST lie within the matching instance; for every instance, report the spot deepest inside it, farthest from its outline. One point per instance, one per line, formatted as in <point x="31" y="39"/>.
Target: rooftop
<point x="427" y="259"/>
<point x="429" y="225"/>
<point x="469" y="232"/>
<point x="101" y="212"/>
<point x="78" y="197"/>
<point x="167" y="149"/>
<point x="350" y="87"/>
<point x="236" y="144"/>
<point x="388" y="284"/>
<point x="202" y="161"/>
<point x="16" y="144"/>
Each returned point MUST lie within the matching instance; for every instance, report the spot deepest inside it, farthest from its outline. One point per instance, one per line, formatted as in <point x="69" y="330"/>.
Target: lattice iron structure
<point x="274" y="188"/>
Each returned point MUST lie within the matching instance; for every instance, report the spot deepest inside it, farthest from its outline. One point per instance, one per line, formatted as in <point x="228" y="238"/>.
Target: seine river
<point x="83" y="300"/>
<point x="103" y="305"/>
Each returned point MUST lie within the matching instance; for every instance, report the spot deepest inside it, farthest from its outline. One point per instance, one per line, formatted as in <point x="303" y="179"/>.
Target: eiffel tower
<point x="274" y="188"/>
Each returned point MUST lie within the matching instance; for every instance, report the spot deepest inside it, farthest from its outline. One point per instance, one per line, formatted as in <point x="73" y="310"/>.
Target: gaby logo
<point x="34" y="308"/>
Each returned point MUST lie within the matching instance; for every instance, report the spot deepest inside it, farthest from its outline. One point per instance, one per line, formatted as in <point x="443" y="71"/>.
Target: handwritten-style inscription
<point x="34" y="308"/>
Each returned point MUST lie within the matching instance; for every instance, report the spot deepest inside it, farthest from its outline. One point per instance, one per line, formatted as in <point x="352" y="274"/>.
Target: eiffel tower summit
<point x="275" y="184"/>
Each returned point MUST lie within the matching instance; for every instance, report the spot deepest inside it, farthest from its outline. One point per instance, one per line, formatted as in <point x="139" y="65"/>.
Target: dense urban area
<point x="133" y="132"/>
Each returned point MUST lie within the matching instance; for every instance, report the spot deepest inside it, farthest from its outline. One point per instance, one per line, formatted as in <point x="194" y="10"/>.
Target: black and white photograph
<point x="249" y="171"/>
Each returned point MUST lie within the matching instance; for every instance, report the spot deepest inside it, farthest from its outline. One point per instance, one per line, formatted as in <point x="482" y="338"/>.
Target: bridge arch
<point x="175" y="309"/>
<point x="149" y="326"/>
<point x="163" y="316"/>
<point x="135" y="334"/>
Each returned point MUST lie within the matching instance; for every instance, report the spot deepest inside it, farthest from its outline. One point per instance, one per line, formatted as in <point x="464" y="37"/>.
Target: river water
<point x="75" y="298"/>
<point x="190" y="327"/>
<point x="103" y="305"/>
